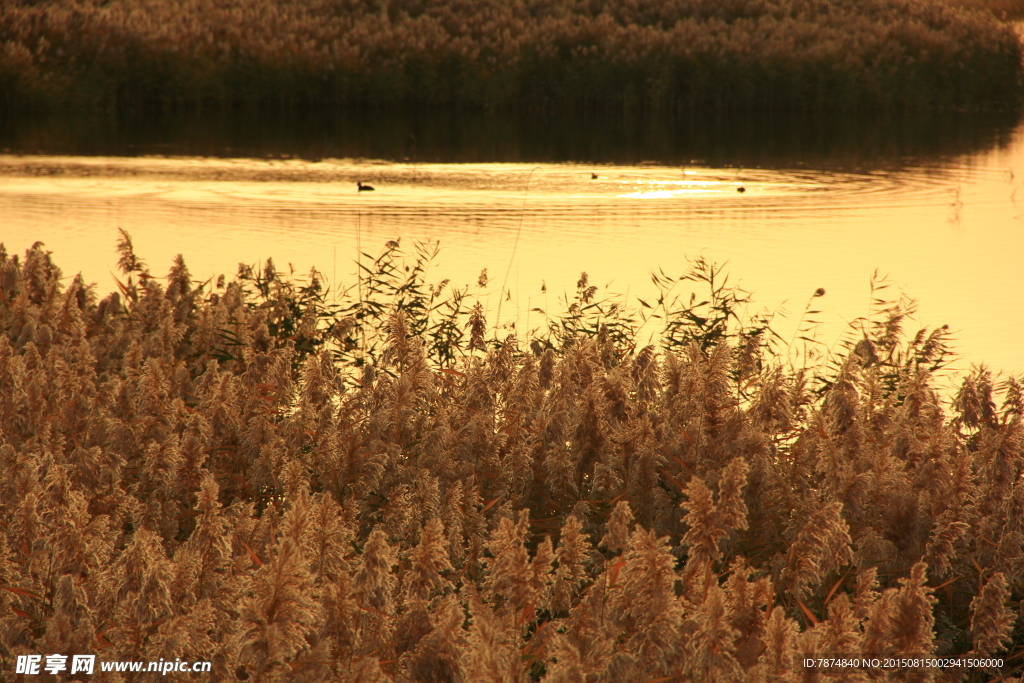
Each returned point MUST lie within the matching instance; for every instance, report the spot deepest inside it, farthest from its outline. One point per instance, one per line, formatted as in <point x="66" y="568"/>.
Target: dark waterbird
<point x="364" y="188"/>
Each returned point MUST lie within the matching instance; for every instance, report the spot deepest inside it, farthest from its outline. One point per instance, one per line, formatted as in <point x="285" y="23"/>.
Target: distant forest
<point x="533" y="54"/>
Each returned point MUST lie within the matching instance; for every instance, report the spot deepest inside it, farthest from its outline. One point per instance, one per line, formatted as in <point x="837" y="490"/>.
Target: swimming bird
<point x="593" y="176"/>
<point x="741" y="189"/>
<point x="363" y="188"/>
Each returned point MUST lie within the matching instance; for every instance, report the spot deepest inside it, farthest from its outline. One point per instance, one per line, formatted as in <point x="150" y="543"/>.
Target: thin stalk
<point x="519" y="230"/>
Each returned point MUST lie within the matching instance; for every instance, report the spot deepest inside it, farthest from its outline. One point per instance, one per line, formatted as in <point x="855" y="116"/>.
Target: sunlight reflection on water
<point x="948" y="230"/>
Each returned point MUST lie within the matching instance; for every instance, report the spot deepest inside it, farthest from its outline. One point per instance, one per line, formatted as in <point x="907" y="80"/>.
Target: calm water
<point x="937" y="205"/>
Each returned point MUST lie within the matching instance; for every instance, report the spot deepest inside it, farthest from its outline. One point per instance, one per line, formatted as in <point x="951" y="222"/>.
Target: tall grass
<point x="1005" y="9"/>
<point x="261" y="474"/>
<point x="766" y="54"/>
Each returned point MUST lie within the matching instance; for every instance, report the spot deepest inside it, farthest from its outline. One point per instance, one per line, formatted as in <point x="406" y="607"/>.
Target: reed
<point x="227" y="471"/>
<point x="1007" y="10"/>
<point x="682" y="54"/>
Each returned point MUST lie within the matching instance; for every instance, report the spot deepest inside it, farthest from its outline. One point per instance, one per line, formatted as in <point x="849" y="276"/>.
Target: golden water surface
<point x="949" y="232"/>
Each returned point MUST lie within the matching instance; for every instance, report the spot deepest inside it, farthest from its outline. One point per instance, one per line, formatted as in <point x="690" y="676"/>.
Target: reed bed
<point x="376" y="485"/>
<point x="538" y="54"/>
<point x="1007" y="10"/>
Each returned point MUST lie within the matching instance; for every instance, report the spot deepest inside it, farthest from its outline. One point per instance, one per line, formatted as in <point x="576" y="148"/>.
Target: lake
<point x="935" y="203"/>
